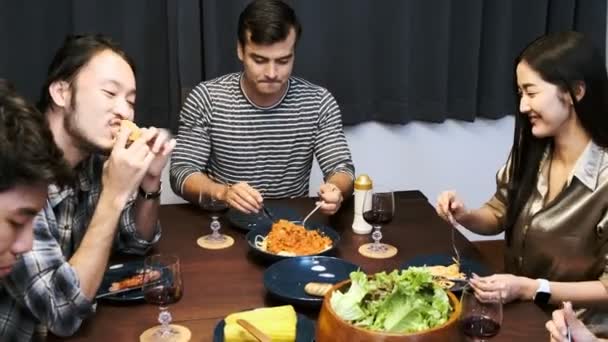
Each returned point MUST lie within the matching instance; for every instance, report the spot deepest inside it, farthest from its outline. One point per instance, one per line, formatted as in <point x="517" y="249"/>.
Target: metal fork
<point x="453" y="223"/>
<point x="312" y="212"/>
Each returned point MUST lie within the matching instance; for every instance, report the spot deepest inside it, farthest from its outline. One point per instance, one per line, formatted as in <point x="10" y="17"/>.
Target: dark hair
<point x="567" y="60"/>
<point x="72" y="56"/>
<point x="28" y="154"/>
<point x="269" y="22"/>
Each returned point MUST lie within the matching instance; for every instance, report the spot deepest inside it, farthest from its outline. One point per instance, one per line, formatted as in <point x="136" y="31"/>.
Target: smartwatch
<point x="543" y="293"/>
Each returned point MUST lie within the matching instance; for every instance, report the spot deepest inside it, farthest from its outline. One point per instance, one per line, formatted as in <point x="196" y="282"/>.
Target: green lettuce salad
<point x="398" y="302"/>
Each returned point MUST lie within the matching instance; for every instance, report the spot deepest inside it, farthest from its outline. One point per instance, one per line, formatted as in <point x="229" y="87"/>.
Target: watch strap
<point x="148" y="195"/>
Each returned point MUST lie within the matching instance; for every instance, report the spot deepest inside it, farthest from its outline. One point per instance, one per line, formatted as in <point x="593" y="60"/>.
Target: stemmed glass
<point x="479" y="320"/>
<point x="379" y="209"/>
<point x="163" y="286"/>
<point x="216" y="208"/>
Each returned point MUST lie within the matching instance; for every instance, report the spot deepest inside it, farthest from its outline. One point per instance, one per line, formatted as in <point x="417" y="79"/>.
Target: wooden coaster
<point x="183" y="334"/>
<point x="203" y="242"/>
<point x="388" y="252"/>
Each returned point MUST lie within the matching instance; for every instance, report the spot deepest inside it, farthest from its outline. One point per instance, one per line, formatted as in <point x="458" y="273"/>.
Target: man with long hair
<point x="112" y="203"/>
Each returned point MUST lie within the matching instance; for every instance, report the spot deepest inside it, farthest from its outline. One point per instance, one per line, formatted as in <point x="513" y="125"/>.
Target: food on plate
<point x="406" y="301"/>
<point x="446" y="274"/>
<point x="279" y="323"/>
<point x="317" y="289"/>
<point x="134" y="281"/>
<point x="289" y="239"/>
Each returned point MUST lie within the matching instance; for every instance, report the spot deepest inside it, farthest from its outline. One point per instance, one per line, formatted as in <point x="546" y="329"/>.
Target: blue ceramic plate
<point x="117" y="273"/>
<point x="263" y="231"/>
<point x="467" y="266"/>
<point x="305" y="330"/>
<point x="286" y="279"/>
<point x="261" y="220"/>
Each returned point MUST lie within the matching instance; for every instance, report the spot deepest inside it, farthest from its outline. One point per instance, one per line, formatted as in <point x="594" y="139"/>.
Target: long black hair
<point x="72" y="56"/>
<point x="567" y="60"/>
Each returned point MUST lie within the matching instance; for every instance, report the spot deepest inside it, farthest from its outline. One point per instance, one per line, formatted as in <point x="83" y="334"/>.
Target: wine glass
<point x="479" y="320"/>
<point x="379" y="209"/>
<point x="163" y="286"/>
<point x="216" y="208"/>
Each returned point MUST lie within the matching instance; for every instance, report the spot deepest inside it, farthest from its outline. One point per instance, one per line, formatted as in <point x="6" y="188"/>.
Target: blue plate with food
<point x="281" y="323"/>
<point x="449" y="274"/>
<point x="123" y="282"/>
<point x="286" y="239"/>
<point x="303" y="280"/>
<point x="263" y="219"/>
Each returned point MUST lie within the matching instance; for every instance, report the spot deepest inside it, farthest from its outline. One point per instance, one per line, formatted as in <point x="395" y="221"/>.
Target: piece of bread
<point x="317" y="289"/>
<point x="135" y="131"/>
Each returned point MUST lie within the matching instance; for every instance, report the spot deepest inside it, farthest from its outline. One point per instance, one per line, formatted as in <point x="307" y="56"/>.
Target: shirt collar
<point x="587" y="167"/>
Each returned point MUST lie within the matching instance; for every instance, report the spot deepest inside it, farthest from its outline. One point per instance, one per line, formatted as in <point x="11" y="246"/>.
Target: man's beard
<point x="80" y="139"/>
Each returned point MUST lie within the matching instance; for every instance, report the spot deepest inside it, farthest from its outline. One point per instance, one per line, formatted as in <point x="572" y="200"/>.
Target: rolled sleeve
<point x="129" y="239"/>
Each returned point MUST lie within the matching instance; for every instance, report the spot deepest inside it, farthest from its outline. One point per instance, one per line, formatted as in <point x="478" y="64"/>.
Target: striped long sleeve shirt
<point x="224" y="135"/>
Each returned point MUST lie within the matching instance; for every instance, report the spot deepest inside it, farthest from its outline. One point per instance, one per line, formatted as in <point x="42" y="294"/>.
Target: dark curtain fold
<point x="392" y="61"/>
<point x="31" y="31"/>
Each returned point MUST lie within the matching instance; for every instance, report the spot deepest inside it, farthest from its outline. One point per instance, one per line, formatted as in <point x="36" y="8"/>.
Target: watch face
<point x="542" y="298"/>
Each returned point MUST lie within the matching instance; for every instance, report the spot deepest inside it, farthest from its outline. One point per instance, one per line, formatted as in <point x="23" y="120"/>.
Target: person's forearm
<point x="343" y="181"/>
<point x="581" y="293"/>
<point x="198" y="184"/>
<point x="481" y="221"/>
<point x="91" y="258"/>
<point x="146" y="210"/>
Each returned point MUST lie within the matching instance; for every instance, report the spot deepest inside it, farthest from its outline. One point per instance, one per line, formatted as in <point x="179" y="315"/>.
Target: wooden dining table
<point x="220" y="282"/>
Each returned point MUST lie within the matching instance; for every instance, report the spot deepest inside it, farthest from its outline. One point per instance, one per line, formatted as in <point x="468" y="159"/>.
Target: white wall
<point x="429" y="157"/>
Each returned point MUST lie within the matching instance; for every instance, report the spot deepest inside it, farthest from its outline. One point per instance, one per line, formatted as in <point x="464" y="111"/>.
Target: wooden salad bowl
<point x="331" y="328"/>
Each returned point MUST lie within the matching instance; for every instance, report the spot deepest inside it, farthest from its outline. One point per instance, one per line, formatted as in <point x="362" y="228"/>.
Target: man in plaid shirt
<point x="89" y="90"/>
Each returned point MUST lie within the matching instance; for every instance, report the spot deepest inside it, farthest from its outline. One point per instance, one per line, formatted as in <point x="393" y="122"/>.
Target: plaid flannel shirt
<point x="43" y="290"/>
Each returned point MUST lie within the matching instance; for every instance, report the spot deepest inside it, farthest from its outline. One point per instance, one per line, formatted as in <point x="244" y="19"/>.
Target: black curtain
<point x="396" y="61"/>
<point x="392" y="61"/>
<point x="32" y="30"/>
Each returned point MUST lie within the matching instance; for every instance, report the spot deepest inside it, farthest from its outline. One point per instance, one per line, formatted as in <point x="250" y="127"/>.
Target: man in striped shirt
<point x="253" y="135"/>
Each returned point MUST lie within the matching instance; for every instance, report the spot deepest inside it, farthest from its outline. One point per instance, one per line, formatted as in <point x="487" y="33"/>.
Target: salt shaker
<point x="363" y="185"/>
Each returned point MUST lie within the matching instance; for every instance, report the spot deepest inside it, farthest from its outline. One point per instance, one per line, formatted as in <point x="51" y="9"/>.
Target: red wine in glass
<point x="163" y="295"/>
<point x="480" y="327"/>
<point x="378" y="217"/>
<point x="379" y="207"/>
<point x="164" y="291"/>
